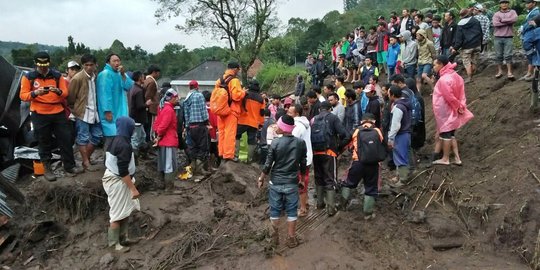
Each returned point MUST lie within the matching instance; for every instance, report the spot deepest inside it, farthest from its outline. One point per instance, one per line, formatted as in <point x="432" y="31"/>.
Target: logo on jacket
<point x="36" y="84"/>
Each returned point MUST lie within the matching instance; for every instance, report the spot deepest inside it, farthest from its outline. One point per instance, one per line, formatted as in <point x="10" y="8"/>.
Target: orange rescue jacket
<point x="252" y="110"/>
<point x="49" y="103"/>
<point x="235" y="91"/>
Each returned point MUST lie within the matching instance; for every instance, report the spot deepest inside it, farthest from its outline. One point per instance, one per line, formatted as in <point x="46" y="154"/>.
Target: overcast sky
<point x="97" y="23"/>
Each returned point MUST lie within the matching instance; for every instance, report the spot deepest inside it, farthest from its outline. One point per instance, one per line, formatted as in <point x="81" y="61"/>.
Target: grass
<point x="278" y="78"/>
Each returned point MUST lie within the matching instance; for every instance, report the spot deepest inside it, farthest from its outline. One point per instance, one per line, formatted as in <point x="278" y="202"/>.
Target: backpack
<point x="416" y="111"/>
<point x="370" y="148"/>
<point x="220" y="100"/>
<point x="320" y="133"/>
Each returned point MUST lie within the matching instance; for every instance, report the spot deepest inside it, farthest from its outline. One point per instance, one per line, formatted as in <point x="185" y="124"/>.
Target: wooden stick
<point x="534" y="175"/>
<point x="435" y="193"/>
<point x="424" y="187"/>
<point x="408" y="183"/>
<point x="498" y="151"/>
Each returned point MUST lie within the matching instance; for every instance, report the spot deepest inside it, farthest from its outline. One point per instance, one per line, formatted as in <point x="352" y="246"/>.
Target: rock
<point x="106" y="260"/>
<point x="447" y="243"/>
<point x="440" y="227"/>
<point x="417" y="217"/>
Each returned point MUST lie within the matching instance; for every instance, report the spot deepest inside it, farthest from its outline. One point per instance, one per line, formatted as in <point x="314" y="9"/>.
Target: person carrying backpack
<point x="328" y="136"/>
<point x="226" y="102"/>
<point x="368" y="151"/>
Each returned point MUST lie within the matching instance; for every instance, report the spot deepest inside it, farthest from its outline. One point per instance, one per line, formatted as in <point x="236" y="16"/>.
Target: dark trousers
<point x="148" y="125"/>
<point x="200" y="145"/>
<point x="368" y="172"/>
<point x="325" y="169"/>
<point x="47" y="125"/>
<point x="251" y="132"/>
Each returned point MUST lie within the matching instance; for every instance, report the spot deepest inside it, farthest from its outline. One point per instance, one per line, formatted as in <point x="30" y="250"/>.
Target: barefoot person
<point x="118" y="183"/>
<point x="450" y="109"/>
<point x="286" y="158"/>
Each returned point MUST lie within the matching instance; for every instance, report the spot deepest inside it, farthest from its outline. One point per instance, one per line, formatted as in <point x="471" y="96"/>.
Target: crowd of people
<point x="288" y="137"/>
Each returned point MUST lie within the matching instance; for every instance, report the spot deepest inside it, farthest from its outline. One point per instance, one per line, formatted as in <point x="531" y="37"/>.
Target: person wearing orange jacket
<point x="227" y="125"/>
<point x="250" y="119"/>
<point x="46" y="90"/>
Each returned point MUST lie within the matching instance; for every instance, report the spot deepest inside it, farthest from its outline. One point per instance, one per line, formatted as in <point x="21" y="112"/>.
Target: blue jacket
<point x="531" y="45"/>
<point x="111" y="97"/>
<point x="526" y="27"/>
<point x="393" y="53"/>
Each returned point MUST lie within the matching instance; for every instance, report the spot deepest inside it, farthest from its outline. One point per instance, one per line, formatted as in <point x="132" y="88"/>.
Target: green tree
<point x="350" y="4"/>
<point x="244" y="24"/>
<point x="24" y="57"/>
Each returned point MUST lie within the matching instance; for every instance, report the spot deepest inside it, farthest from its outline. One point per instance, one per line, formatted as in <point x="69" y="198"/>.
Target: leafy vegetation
<point x="279" y="78"/>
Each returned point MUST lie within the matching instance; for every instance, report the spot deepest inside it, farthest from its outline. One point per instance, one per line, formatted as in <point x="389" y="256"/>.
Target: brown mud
<point x="482" y="215"/>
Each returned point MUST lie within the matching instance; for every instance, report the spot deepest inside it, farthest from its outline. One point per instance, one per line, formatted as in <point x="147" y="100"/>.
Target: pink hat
<point x="369" y="88"/>
<point x="288" y="101"/>
<point x="286" y="123"/>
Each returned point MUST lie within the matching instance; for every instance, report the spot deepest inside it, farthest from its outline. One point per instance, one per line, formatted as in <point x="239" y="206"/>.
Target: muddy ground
<point x="482" y="215"/>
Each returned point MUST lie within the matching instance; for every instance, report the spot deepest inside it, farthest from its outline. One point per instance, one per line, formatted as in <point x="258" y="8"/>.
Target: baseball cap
<point x="193" y="84"/>
<point x="232" y="65"/>
<point x="368" y="88"/>
<point x="73" y="64"/>
<point x="504" y="1"/>
<point x="530" y="1"/>
<point x="380" y="18"/>
<point x="479" y="7"/>
<point x="42" y="59"/>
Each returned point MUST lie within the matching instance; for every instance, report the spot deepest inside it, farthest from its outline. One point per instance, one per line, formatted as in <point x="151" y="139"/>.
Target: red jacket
<point x="165" y="126"/>
<point x="212" y="119"/>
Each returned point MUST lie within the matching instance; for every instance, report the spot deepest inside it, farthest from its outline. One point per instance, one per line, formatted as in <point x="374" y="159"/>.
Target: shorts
<point x="423" y="69"/>
<point x="381" y="57"/>
<point x="88" y="133"/>
<point x="470" y="56"/>
<point x="504" y="48"/>
<point x="283" y="197"/>
<point x="306" y="183"/>
<point x="447" y="135"/>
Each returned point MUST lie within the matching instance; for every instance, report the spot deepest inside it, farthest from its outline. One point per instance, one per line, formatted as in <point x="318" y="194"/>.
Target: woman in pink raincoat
<point x="450" y="109"/>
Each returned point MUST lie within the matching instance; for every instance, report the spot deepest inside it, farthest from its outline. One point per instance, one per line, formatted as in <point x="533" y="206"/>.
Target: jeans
<point x="88" y="133"/>
<point x="283" y="197"/>
<point x="139" y="136"/>
<point x="426" y="68"/>
<point x="47" y="125"/>
<point x="409" y="71"/>
<point x="504" y="48"/>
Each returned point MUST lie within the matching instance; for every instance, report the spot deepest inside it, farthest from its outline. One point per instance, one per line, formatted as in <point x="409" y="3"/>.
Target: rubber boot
<point x="237" y="151"/>
<point x="251" y="153"/>
<point x="345" y="195"/>
<point x="49" y="174"/>
<point x="369" y="204"/>
<point x="403" y="172"/>
<point x="113" y="240"/>
<point x="331" y="202"/>
<point x="169" y="181"/>
<point x="274" y="234"/>
<point x="203" y="168"/>
<point x="124" y="235"/>
<point x="320" y="196"/>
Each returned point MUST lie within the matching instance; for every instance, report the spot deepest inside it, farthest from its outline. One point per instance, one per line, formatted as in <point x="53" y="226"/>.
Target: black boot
<point x="49" y="174"/>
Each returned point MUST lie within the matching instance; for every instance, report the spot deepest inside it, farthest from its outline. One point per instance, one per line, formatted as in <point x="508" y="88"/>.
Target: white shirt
<point x="90" y="114"/>
<point x="403" y="26"/>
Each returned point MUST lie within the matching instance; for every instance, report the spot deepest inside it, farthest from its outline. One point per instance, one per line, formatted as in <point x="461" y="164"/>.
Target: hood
<point x="466" y="22"/>
<point x="302" y="120"/>
<point x="449" y="68"/>
<point x="406" y="35"/>
<point x="423" y="33"/>
<point x="405" y="102"/>
<point x="108" y="67"/>
<point x="125" y="126"/>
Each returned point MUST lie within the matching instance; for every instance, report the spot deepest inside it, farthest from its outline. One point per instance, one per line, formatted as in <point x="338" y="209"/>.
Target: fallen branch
<point x="534" y="175"/>
<point x="408" y="183"/>
<point x="498" y="151"/>
<point x="535" y="262"/>
<point x="397" y="196"/>
<point x="435" y="193"/>
<point x="424" y="188"/>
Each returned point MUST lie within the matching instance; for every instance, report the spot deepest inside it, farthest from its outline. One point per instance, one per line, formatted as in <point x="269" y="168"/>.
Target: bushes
<point x="278" y="78"/>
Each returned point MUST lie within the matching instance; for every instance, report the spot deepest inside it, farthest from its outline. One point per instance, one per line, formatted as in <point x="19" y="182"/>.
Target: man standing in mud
<point x="46" y="90"/>
<point x="286" y="158"/>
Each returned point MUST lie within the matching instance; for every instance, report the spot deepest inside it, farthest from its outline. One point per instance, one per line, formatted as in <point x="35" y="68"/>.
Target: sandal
<point x="302" y="213"/>
<point x="440" y="162"/>
<point x="511" y="77"/>
<point x="498" y="75"/>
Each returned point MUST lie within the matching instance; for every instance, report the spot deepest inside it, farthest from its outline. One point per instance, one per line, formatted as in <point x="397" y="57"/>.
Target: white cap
<point x="73" y="64"/>
<point x="479" y="7"/>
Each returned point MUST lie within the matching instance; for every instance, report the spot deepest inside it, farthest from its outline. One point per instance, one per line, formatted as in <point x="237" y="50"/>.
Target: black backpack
<point x="370" y="148"/>
<point x="320" y="133"/>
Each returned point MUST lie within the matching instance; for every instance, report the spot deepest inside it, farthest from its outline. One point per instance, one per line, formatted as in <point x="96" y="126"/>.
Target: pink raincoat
<point x="448" y="97"/>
